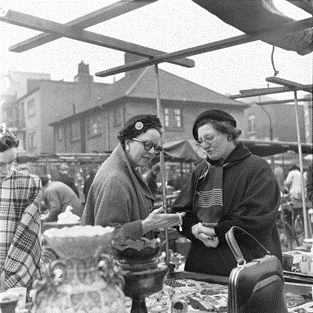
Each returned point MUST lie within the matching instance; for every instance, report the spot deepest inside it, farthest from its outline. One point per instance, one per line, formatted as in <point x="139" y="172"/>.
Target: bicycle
<point x="290" y="224"/>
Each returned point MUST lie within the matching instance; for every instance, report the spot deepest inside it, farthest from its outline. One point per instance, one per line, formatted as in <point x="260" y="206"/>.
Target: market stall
<point x="270" y="27"/>
<point x="189" y="151"/>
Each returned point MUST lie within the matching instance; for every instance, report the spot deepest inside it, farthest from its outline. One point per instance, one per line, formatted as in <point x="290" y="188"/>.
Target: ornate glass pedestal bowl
<point x="74" y="283"/>
<point x="142" y="272"/>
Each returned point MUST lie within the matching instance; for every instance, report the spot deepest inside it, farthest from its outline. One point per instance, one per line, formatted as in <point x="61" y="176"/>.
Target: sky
<point x="167" y="25"/>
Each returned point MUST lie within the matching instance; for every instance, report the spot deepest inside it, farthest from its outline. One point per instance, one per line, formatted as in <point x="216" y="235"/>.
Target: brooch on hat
<point x="139" y="125"/>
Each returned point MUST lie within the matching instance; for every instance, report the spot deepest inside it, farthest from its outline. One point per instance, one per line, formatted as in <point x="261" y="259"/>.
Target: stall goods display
<point x="199" y="296"/>
<point x="206" y="297"/>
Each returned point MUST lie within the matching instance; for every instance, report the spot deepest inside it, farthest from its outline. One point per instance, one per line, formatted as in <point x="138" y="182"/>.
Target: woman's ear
<point x="127" y="141"/>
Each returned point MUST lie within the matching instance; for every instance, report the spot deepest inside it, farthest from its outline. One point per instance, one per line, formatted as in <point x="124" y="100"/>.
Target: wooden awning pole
<point x="305" y="218"/>
<point x="162" y="163"/>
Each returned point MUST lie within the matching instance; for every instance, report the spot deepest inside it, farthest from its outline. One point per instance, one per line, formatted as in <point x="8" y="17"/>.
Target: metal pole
<point x="162" y="163"/>
<point x="305" y="219"/>
<point x="270" y="130"/>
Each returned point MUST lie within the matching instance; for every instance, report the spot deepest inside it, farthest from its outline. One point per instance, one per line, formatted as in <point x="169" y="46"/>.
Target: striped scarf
<point x="210" y="194"/>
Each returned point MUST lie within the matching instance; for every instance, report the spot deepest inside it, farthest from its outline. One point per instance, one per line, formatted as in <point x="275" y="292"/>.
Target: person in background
<point x="88" y="182"/>
<point x="20" y="226"/>
<point x="57" y="196"/>
<point x="151" y="180"/>
<point x="309" y="185"/>
<point x="118" y="196"/>
<point x="23" y="167"/>
<point x="231" y="187"/>
<point x="279" y="173"/>
<point x="293" y="183"/>
<point x="80" y="185"/>
<point x="66" y="178"/>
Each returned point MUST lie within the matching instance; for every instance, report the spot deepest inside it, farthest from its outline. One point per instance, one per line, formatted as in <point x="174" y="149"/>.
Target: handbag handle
<point x="234" y="247"/>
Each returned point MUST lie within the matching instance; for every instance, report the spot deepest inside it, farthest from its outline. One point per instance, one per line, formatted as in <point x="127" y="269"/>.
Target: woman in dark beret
<point x="231" y="187"/>
<point x="118" y="196"/>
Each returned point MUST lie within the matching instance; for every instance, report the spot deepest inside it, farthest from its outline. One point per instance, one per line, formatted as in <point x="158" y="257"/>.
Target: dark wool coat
<point x="118" y="197"/>
<point x="251" y="198"/>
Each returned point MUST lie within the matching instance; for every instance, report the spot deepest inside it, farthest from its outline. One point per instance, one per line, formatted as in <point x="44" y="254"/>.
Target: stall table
<point x="194" y="293"/>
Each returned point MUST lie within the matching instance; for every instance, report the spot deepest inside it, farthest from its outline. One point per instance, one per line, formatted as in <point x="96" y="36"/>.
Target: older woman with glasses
<point x="20" y="196"/>
<point x="118" y="196"/>
<point x="232" y="187"/>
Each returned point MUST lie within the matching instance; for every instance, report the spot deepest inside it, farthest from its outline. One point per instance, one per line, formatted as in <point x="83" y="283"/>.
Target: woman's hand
<point x="206" y="235"/>
<point x="158" y="219"/>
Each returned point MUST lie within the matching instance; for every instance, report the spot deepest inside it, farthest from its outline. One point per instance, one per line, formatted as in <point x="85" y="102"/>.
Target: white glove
<point x="206" y="235"/>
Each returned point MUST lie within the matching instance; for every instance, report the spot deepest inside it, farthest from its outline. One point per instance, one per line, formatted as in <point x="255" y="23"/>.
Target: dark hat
<point x="216" y="115"/>
<point x="139" y="124"/>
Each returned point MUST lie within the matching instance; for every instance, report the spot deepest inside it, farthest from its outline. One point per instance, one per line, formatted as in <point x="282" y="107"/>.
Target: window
<point x="31" y="109"/>
<point x="60" y="133"/>
<point x="117" y="116"/>
<point x="32" y="140"/>
<point x="166" y="117"/>
<point x="22" y="114"/>
<point x="94" y="126"/>
<point x="173" y="117"/>
<point x="75" y="131"/>
<point x="251" y="124"/>
<point x="177" y="118"/>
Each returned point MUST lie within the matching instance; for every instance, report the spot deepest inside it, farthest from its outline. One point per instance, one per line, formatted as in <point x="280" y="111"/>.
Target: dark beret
<point x="216" y="115"/>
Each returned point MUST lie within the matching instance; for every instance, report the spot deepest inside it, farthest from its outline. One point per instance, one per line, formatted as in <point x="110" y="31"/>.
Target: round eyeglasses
<point x="148" y="145"/>
<point x="205" y="140"/>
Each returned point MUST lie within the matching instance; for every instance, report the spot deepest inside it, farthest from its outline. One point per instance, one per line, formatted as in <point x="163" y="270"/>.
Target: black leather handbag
<point x="256" y="286"/>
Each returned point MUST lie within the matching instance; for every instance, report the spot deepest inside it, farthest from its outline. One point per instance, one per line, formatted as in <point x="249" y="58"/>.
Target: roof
<point x="173" y="87"/>
<point x="142" y="84"/>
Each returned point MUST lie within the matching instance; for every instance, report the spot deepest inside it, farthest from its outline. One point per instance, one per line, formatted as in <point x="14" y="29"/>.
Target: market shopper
<point x="118" y="196"/>
<point x="20" y="231"/>
<point x="66" y="178"/>
<point x="57" y="196"/>
<point x="279" y="173"/>
<point x="88" y="181"/>
<point x="231" y="187"/>
<point x="293" y="183"/>
<point x="151" y="180"/>
<point x="309" y="184"/>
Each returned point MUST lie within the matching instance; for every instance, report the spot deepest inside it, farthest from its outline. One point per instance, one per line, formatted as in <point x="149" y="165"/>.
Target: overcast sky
<point x="167" y="25"/>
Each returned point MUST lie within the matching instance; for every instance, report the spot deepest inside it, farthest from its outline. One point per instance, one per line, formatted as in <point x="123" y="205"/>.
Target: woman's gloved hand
<point x="206" y="235"/>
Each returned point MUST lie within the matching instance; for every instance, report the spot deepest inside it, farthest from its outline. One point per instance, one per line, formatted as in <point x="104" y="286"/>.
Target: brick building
<point x="278" y="119"/>
<point x="86" y="116"/>
<point x="14" y="85"/>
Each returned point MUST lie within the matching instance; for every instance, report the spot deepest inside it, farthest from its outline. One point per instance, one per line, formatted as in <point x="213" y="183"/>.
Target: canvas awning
<point x="256" y="16"/>
<point x="188" y="151"/>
